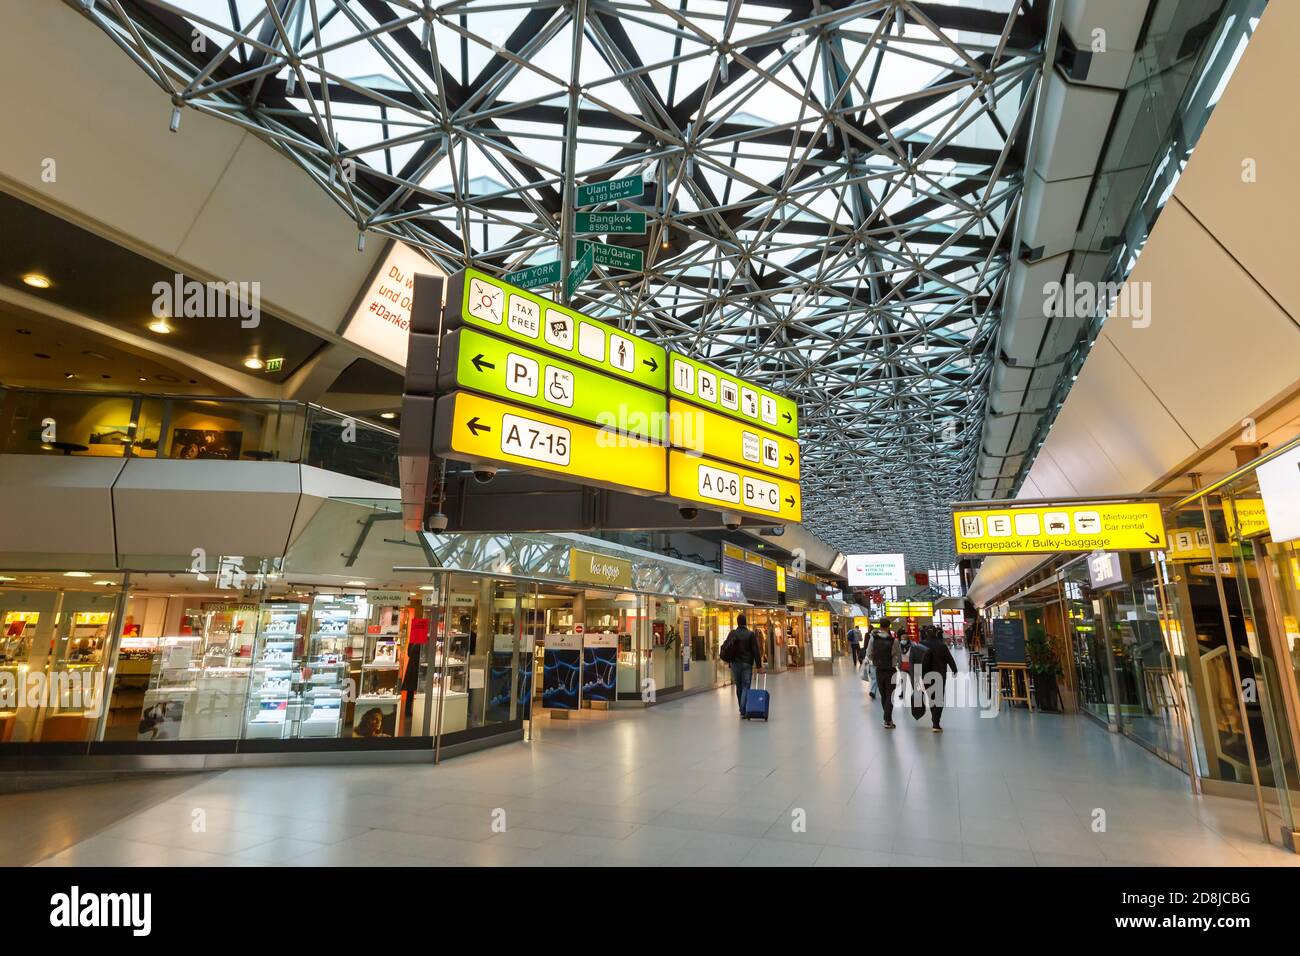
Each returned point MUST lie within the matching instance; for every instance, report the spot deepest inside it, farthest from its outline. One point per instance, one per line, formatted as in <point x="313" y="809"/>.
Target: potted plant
<point x="1041" y="659"/>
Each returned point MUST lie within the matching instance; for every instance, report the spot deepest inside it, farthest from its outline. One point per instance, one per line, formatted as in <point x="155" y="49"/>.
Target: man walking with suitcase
<point x="885" y="654"/>
<point x="742" y="652"/>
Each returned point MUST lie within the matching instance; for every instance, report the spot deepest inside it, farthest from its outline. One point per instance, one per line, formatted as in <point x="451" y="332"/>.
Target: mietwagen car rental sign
<point x="1060" y="527"/>
<point x="539" y="387"/>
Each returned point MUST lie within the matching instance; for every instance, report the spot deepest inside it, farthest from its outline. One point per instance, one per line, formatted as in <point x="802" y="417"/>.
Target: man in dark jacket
<point x="748" y="658"/>
<point x="936" y="663"/>
<point x="884" y="656"/>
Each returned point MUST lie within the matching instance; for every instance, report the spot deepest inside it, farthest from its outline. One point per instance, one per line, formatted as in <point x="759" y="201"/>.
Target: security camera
<point x="483" y="472"/>
<point x="731" y="521"/>
<point x="690" y="514"/>
<point x="436" y="522"/>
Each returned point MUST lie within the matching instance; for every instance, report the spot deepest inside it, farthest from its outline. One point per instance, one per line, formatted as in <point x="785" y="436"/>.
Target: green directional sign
<point x="477" y="299"/>
<point x="471" y="359"/>
<point x="581" y="269"/>
<point x="593" y="194"/>
<point x="614" y="257"/>
<point x="707" y="386"/>
<point x="534" y="275"/>
<point x="628" y="222"/>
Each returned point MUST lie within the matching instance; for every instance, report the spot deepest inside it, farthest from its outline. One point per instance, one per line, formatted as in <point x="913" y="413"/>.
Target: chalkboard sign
<point x="1009" y="640"/>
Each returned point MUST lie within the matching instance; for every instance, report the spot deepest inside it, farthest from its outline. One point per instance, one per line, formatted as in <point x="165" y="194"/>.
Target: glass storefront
<point x="356" y="638"/>
<point x="1194" y="652"/>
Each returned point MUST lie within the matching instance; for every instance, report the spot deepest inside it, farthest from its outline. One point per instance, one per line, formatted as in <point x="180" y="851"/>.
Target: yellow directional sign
<point x="708" y="433"/>
<point x="1131" y="526"/>
<point x="486" y="302"/>
<point x="1245" y="517"/>
<point x="482" y="363"/>
<point x="731" y="488"/>
<point x="473" y="428"/>
<point x="1193" y="544"/>
<point x="706" y="385"/>
<point x="909" y="609"/>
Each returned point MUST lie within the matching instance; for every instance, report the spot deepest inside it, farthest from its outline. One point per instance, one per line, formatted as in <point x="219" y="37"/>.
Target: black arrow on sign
<point x="654" y="366"/>
<point x="1154" y="539"/>
<point x="481" y="363"/>
<point x="790" y="500"/>
<point x="477" y="426"/>
<point x="789" y="458"/>
<point x="788" y="418"/>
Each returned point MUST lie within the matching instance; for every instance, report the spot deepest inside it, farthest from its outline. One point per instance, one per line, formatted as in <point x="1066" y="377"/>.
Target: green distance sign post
<point x="609" y="222"/>
<point x="595" y="193"/>
<point x="581" y="269"/>
<point x="534" y="276"/>
<point x="706" y="386"/>
<point x="614" y="257"/>
<point x="477" y="299"/>
<point x="483" y="363"/>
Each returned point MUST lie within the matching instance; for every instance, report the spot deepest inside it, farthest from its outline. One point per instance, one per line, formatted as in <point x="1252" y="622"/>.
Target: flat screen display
<point x="876" y="570"/>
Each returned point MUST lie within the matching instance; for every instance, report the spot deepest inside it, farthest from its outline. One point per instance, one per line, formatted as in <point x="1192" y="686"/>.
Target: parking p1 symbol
<point x="521" y="375"/>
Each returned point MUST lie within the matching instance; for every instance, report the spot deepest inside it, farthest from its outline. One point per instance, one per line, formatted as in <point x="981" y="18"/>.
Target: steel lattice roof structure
<point x="831" y="187"/>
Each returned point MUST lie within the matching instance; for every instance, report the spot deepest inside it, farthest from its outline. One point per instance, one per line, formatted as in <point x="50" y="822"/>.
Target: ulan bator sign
<point x="527" y="383"/>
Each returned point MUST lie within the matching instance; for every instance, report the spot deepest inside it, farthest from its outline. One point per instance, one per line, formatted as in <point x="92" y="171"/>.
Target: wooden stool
<point x="1012" y="695"/>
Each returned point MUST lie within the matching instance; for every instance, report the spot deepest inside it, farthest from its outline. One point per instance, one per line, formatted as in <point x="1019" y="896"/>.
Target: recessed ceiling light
<point x="107" y="584"/>
<point x="389" y="415"/>
<point x="356" y="584"/>
<point x="76" y="574"/>
<point x="160" y="326"/>
<point x="253" y="362"/>
<point x="143" y="378"/>
<point x="37" y="281"/>
<point x="428" y="587"/>
<point x="5" y="577"/>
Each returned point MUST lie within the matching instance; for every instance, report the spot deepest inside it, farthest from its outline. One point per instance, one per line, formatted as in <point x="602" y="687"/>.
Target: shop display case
<point x="276" y="701"/>
<point x="17" y="630"/>
<point x="336" y="623"/>
<point x="188" y="697"/>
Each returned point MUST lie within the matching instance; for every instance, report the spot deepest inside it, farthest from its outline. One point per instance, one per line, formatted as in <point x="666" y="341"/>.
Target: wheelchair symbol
<point x="559" y="386"/>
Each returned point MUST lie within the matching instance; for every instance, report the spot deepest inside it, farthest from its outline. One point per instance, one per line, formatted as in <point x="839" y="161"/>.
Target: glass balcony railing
<point x="132" y="425"/>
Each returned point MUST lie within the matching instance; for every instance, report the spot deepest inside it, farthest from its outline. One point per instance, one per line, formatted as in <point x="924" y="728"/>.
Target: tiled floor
<point x="689" y="783"/>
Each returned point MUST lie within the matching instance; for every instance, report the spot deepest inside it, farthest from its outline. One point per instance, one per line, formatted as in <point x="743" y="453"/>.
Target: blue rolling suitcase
<point x="757" y="700"/>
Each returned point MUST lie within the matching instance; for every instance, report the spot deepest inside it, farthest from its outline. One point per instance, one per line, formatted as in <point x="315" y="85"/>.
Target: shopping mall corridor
<point x="688" y="782"/>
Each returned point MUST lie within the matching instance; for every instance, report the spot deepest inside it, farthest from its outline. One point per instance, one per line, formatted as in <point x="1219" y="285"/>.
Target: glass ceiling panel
<point x="825" y="189"/>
